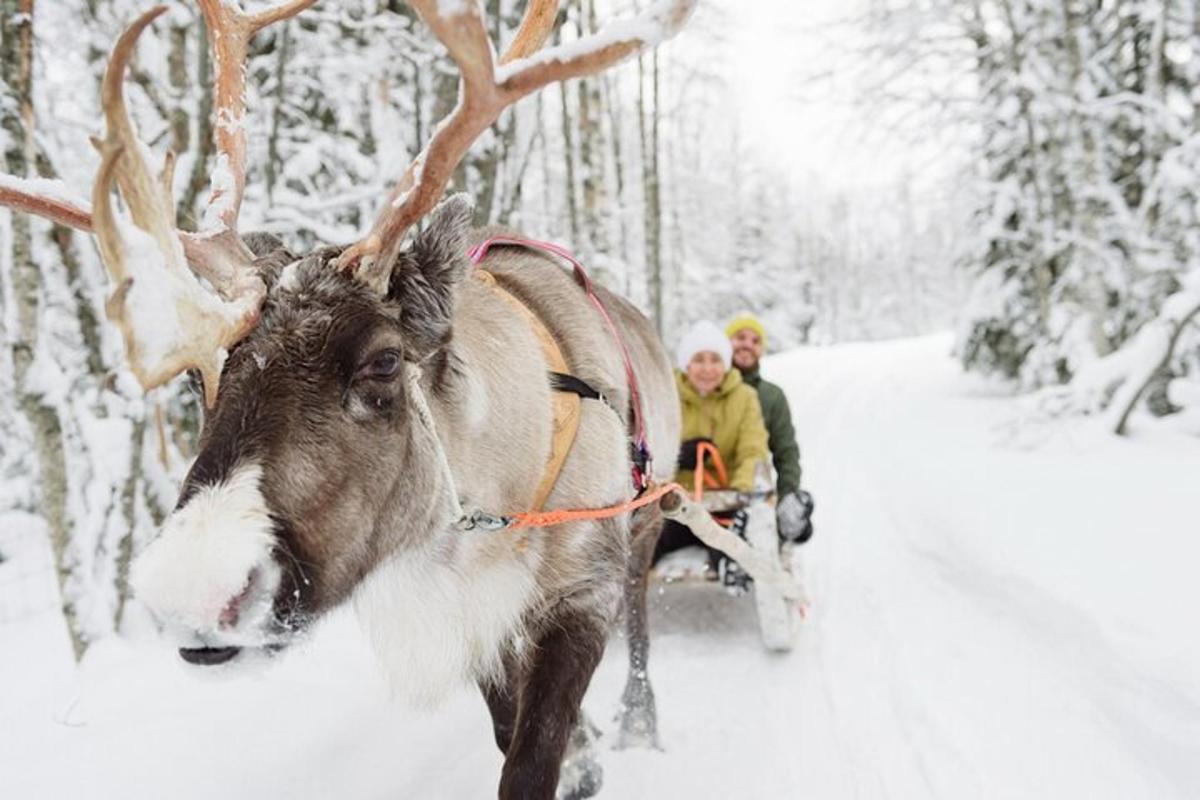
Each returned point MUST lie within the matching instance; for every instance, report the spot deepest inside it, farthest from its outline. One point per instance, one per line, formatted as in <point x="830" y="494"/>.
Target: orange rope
<point x="541" y="519"/>
<point x="701" y="478"/>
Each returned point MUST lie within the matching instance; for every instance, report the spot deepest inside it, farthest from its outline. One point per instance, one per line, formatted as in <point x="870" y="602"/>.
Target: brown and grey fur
<point x="351" y="479"/>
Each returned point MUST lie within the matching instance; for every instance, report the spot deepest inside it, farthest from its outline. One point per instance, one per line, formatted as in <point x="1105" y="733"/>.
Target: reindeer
<point x="358" y="399"/>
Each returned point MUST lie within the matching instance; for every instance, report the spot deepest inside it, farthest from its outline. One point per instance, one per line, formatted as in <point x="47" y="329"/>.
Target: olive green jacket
<point x="781" y="436"/>
<point x="730" y="416"/>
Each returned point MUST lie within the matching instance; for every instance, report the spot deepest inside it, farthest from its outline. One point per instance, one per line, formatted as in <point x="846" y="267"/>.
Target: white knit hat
<point x="703" y="336"/>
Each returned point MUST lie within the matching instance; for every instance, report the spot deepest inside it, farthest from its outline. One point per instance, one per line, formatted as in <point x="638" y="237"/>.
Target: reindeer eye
<point x="382" y="366"/>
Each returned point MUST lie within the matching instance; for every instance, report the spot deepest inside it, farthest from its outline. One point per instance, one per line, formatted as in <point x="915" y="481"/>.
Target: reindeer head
<point x="313" y="466"/>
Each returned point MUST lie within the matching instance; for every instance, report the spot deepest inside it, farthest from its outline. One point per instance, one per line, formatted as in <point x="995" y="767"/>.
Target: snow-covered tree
<point x="1083" y="118"/>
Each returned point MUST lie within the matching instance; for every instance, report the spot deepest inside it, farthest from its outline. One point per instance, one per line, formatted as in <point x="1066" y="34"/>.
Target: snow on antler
<point x="169" y="322"/>
<point x="42" y="197"/>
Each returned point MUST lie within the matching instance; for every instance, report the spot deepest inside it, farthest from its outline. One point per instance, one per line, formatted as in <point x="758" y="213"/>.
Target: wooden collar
<point x="567" y="406"/>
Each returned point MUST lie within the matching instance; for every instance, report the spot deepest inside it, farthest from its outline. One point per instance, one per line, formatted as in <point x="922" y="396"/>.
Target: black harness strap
<point x="562" y="382"/>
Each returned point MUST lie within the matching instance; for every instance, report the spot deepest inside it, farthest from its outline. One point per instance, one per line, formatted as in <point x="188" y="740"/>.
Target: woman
<point x="719" y="408"/>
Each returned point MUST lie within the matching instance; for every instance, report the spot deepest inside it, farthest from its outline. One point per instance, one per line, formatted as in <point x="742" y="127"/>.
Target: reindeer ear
<point x="425" y="278"/>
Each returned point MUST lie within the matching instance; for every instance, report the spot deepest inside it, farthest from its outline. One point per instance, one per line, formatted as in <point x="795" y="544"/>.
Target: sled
<point x="779" y="597"/>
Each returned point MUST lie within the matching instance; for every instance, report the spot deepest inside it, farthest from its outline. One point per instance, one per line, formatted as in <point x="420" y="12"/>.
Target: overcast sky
<point x="813" y="126"/>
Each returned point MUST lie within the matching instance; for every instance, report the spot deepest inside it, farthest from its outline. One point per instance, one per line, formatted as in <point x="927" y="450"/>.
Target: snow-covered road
<point x="989" y="619"/>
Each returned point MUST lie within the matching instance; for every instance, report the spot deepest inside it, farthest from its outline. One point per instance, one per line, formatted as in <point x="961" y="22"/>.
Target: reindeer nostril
<point x="232" y="612"/>
<point x="229" y="614"/>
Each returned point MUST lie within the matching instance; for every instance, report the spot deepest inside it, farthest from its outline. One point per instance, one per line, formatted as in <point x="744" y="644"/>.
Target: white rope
<point x="426" y="417"/>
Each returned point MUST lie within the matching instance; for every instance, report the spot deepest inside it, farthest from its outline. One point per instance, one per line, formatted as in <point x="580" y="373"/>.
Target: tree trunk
<point x="652" y="207"/>
<point x="591" y="144"/>
<point x="16" y="75"/>
<point x="611" y="103"/>
<point x="85" y="310"/>
<point x="177" y="76"/>
<point x="1033" y="174"/>
<point x="1127" y="397"/>
<point x="273" y="160"/>
<point x="187" y="212"/>
<point x="129" y="495"/>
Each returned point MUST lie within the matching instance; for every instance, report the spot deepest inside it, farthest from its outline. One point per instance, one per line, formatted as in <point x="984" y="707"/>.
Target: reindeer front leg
<point x="501" y="699"/>
<point x="555" y="680"/>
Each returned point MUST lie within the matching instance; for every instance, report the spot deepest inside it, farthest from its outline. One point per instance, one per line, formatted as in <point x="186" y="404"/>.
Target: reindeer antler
<point x="44" y="198"/>
<point x="169" y="322"/>
<point x="484" y="93"/>
<point x="229" y="33"/>
<point x="534" y="30"/>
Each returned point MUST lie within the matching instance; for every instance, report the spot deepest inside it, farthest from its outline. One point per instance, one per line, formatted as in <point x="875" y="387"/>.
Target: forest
<point x="1052" y="220"/>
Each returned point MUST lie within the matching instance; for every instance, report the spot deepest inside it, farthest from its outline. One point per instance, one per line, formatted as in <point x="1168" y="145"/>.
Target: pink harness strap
<point x="642" y="458"/>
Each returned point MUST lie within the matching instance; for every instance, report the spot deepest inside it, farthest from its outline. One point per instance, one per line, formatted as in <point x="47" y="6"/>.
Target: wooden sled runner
<point x="779" y="597"/>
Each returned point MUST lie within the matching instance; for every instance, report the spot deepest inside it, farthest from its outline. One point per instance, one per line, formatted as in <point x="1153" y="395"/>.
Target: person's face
<point x="705" y="371"/>
<point x="747" y="348"/>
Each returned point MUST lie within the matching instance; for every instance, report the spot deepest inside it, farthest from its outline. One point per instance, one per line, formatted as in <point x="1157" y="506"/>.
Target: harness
<point x="640" y="458"/>
<point x="567" y="402"/>
<point x="569" y="392"/>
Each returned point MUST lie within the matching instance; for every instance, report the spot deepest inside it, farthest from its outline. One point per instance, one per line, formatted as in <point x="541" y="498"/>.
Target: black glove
<point x="687" y="452"/>
<point x="794" y="517"/>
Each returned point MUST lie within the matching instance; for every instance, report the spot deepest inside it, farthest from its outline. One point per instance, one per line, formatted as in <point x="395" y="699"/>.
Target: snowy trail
<point x="948" y="674"/>
<point x="982" y="626"/>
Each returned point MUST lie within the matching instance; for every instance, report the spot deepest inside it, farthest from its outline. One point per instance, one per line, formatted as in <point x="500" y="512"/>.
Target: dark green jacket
<point x="781" y="436"/>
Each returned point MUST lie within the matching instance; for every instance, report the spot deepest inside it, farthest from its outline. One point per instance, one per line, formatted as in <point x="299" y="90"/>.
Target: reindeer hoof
<point x="638" y="717"/>
<point x="581" y="775"/>
<point x="587" y="784"/>
<point x="638" y="730"/>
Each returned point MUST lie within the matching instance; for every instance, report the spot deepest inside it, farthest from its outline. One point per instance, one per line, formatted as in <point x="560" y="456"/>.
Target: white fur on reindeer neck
<point x="443" y="617"/>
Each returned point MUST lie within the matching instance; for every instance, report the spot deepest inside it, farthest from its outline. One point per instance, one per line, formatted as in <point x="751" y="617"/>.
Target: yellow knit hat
<point x="747" y="320"/>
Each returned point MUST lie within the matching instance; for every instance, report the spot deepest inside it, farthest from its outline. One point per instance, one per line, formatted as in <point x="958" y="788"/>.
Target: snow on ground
<point x="990" y="619"/>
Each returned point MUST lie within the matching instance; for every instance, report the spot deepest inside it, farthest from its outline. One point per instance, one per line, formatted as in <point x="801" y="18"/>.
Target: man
<point x="794" y="510"/>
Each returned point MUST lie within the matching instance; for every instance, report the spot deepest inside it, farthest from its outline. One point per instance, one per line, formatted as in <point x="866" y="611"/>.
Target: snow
<point x="53" y="190"/>
<point x="453" y="8"/>
<point x="1111" y="382"/>
<point x="989" y="618"/>
<point x="650" y="28"/>
<point x="222" y="183"/>
<point x="153" y="303"/>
